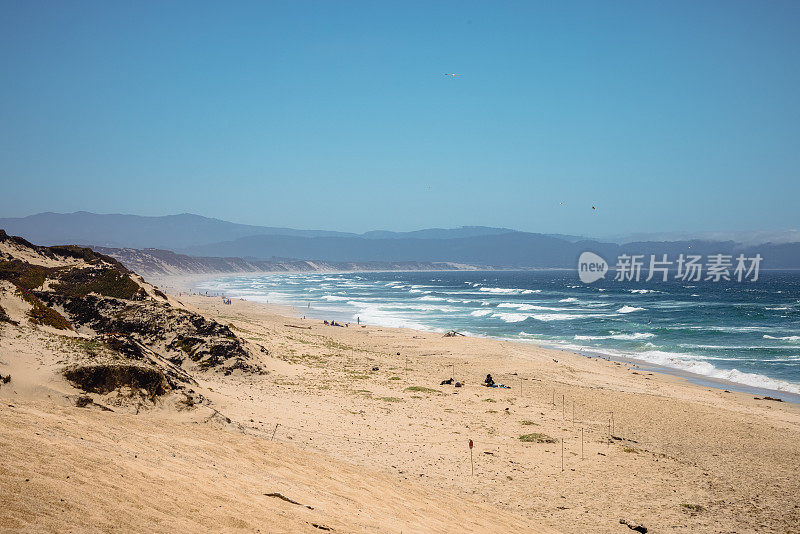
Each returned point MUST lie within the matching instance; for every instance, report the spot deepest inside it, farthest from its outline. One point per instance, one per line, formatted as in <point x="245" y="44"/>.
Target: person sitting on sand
<point x="489" y="382"/>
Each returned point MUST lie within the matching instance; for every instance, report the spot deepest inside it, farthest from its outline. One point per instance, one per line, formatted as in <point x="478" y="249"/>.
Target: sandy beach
<point x="373" y="442"/>
<point x="681" y="456"/>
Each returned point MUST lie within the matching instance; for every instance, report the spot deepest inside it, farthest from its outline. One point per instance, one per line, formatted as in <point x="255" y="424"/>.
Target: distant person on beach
<point x="489" y="382"/>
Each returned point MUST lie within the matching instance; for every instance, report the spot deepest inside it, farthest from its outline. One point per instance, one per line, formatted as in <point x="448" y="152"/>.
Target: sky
<point x="664" y="116"/>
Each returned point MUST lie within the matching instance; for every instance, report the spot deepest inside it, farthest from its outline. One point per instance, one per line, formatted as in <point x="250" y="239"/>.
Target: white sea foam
<point x="693" y="365"/>
<point x="784" y="338"/>
<point x="480" y="313"/>
<point x="736" y="347"/>
<point x="521" y="306"/>
<point x="500" y="290"/>
<point x="511" y="317"/>
<point x="429" y="297"/>
<point x="629" y="309"/>
<point x="371" y="313"/>
<point x="334" y="297"/>
<point x="724" y="329"/>
<point x="557" y="316"/>
<point x="570" y="299"/>
<point x="629" y="337"/>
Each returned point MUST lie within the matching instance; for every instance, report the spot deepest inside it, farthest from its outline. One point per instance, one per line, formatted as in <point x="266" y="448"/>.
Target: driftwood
<point x="295" y="326"/>
<point x="452" y="333"/>
<point x="769" y="398"/>
<point x="287" y="499"/>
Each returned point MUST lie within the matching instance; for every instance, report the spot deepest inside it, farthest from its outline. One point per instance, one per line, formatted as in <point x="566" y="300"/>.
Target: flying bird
<point x="451" y="74"/>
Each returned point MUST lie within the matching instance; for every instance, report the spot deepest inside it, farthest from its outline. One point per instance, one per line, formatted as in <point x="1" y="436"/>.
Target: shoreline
<point x="645" y="443"/>
<point x="189" y="282"/>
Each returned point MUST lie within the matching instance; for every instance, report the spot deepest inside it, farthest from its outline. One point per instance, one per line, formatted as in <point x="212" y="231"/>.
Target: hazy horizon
<point x="745" y="237"/>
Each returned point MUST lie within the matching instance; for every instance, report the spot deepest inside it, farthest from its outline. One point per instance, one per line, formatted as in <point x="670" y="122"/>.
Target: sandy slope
<point x="78" y="470"/>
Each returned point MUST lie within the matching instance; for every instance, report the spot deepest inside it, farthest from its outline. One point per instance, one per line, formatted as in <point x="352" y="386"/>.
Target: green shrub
<point x="43" y="315"/>
<point x="694" y="508"/>
<point x="188" y="344"/>
<point x="537" y="438"/>
<point x="422" y="389"/>
<point x="106" y="378"/>
<point x="106" y="282"/>
<point x="24" y="275"/>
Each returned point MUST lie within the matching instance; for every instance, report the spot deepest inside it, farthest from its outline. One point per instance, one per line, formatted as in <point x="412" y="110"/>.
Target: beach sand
<point x="373" y="442"/>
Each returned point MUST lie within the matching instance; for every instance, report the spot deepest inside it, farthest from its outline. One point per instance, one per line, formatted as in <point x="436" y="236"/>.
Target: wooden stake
<point x="472" y="465"/>
<point x="274" y="431"/>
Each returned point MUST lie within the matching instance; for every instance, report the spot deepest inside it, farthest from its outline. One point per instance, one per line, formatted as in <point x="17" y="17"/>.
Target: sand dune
<point x="70" y="469"/>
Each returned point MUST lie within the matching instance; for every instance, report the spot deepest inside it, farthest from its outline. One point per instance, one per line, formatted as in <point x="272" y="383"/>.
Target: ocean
<point x="741" y="332"/>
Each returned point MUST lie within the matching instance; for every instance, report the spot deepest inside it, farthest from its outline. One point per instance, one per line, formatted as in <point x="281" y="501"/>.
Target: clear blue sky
<point x="664" y="115"/>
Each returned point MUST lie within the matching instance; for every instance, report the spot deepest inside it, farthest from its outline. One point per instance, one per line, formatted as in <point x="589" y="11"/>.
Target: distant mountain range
<point x="198" y="236"/>
<point x="169" y="232"/>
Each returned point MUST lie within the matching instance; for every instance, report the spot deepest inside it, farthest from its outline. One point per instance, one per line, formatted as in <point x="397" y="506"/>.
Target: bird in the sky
<point x="451" y="74"/>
